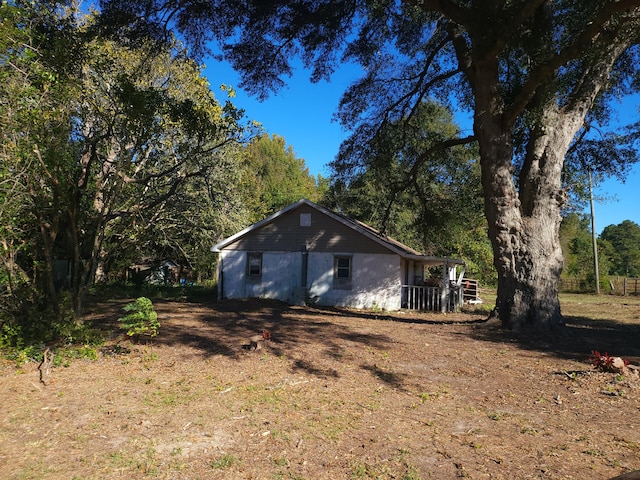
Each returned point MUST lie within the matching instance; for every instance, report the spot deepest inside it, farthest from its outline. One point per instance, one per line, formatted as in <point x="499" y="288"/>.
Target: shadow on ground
<point x="226" y="328"/>
<point x="576" y="341"/>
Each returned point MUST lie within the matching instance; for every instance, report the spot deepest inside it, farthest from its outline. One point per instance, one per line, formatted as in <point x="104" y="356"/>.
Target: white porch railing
<point x="429" y="298"/>
<point x="421" y="298"/>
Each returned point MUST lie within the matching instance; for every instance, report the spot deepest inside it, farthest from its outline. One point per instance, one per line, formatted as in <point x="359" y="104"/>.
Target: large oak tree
<point x="530" y="70"/>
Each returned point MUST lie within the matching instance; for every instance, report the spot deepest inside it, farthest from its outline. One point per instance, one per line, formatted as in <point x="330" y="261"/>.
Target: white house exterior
<point x="306" y="253"/>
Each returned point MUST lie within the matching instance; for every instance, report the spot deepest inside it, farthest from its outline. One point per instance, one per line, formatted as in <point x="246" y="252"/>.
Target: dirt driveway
<point x="334" y="394"/>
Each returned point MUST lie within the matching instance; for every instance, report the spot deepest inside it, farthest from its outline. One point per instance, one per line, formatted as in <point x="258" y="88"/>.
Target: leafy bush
<point x="141" y="318"/>
<point x="64" y="357"/>
<point x="28" y="324"/>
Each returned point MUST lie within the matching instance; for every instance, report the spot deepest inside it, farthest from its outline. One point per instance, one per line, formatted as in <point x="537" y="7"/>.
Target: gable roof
<point x="362" y="228"/>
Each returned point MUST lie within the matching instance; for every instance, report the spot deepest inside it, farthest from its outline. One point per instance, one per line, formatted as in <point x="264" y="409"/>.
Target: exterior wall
<point x="375" y="282"/>
<point x="281" y="274"/>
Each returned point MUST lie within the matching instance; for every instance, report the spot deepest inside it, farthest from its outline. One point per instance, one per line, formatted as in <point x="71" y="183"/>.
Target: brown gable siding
<point x="324" y="235"/>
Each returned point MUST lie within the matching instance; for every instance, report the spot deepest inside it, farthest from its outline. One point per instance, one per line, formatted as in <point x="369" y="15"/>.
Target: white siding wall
<point x="281" y="273"/>
<point x="375" y="283"/>
<point x="233" y="267"/>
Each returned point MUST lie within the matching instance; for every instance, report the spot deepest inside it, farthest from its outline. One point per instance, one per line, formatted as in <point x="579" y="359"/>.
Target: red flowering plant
<point x="605" y="362"/>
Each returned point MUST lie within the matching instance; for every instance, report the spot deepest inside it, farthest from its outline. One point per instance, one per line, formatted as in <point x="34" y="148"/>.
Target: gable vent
<point x="305" y="219"/>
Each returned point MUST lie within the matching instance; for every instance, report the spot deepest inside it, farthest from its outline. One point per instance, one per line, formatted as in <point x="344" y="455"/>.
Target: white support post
<point x="444" y="292"/>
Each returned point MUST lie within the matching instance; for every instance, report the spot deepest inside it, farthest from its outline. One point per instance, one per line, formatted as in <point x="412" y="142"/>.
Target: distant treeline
<point x="618" y="255"/>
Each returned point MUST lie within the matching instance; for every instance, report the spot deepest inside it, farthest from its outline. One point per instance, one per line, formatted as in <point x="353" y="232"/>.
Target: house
<point x="159" y="272"/>
<point x="308" y="254"/>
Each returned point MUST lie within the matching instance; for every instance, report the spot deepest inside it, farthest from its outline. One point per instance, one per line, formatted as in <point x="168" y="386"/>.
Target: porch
<point x="432" y="284"/>
<point x="434" y="299"/>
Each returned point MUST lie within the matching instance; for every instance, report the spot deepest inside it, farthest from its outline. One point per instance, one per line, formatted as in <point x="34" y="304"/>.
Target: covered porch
<point x="432" y="283"/>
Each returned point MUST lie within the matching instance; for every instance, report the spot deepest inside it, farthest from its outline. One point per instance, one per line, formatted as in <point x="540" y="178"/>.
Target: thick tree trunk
<point x="524" y="221"/>
<point x="556" y="92"/>
<point x="528" y="256"/>
<point x="524" y="218"/>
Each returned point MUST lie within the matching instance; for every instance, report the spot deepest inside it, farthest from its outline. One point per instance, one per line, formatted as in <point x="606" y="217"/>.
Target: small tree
<point x="141" y="318"/>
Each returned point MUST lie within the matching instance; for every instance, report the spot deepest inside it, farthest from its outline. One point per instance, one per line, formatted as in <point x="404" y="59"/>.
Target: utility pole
<point x="594" y="239"/>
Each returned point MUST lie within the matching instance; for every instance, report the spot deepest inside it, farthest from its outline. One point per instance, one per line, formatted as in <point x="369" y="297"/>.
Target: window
<point x="305" y="219"/>
<point x="342" y="272"/>
<point x="343" y="267"/>
<point x="254" y="264"/>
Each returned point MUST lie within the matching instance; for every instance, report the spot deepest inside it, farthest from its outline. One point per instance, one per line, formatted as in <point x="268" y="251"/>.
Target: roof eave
<point x="435" y="260"/>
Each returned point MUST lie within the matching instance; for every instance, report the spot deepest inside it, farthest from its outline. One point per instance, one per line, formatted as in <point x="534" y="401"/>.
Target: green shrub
<point x="141" y="318"/>
<point x="28" y="324"/>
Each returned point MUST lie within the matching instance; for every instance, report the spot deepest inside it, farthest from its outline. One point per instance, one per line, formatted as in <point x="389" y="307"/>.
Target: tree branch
<point x="453" y="142"/>
<point x="412" y="176"/>
<point x="542" y="73"/>
<point x="450" y="9"/>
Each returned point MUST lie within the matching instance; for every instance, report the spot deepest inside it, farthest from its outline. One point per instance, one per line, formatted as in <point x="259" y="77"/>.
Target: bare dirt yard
<point x="334" y="394"/>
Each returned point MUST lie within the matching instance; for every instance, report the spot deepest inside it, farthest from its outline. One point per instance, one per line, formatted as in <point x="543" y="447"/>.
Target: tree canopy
<point x="618" y="249"/>
<point x="531" y="71"/>
<point x="435" y="207"/>
<point x="276" y="177"/>
<point x="98" y="142"/>
<point x="624" y="240"/>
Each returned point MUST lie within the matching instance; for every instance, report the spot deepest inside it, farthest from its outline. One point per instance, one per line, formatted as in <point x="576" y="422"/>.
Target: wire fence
<point x="612" y="285"/>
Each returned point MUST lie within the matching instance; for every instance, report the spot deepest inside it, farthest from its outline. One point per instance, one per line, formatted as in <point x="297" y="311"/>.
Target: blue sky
<point x="302" y="114"/>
